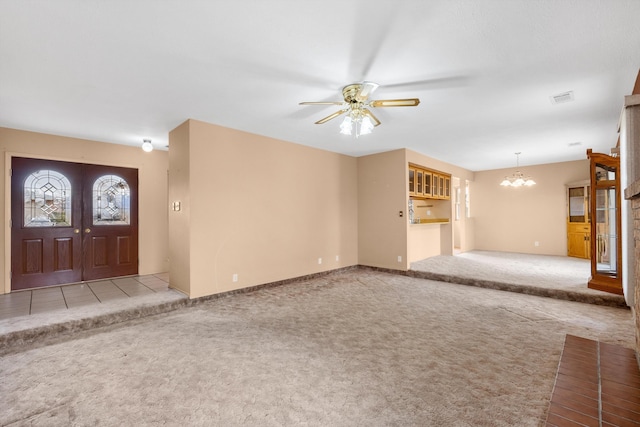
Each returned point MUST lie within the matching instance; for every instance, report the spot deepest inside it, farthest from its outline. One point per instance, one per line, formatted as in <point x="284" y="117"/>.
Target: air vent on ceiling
<point x="561" y="98"/>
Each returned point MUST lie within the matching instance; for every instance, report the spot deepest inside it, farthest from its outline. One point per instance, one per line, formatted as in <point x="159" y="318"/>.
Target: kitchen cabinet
<point x="425" y="183"/>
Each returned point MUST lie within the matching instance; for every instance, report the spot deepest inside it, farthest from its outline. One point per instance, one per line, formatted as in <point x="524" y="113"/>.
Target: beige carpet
<point x="358" y="348"/>
<point x="545" y="275"/>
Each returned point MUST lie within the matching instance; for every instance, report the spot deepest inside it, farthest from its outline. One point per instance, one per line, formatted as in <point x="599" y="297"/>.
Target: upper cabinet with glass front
<point x="606" y="248"/>
<point x="427" y="183"/>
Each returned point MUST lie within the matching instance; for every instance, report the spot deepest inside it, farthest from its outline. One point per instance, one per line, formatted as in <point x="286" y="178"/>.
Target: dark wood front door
<point x="110" y="244"/>
<point x="71" y="222"/>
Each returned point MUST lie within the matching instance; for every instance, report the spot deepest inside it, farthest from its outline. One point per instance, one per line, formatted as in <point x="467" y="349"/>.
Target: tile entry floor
<point x="36" y="301"/>
<point x="597" y="384"/>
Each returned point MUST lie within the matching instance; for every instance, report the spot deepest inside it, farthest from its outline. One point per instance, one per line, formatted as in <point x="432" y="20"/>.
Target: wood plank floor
<point x="597" y="384"/>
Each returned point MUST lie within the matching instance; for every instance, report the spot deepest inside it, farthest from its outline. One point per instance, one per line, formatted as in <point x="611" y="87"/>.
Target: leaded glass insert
<point x="111" y="201"/>
<point x="47" y="199"/>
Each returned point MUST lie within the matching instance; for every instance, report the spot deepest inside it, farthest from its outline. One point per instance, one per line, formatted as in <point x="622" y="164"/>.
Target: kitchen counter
<point x="431" y="221"/>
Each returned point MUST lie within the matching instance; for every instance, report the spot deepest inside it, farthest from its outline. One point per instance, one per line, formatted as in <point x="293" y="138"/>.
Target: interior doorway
<point x="71" y="222"/>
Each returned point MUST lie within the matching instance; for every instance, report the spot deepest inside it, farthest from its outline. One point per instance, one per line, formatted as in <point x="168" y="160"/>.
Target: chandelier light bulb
<point x="517" y="179"/>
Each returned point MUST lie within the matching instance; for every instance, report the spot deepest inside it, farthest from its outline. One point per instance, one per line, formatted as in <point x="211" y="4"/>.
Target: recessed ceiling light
<point x="561" y="98"/>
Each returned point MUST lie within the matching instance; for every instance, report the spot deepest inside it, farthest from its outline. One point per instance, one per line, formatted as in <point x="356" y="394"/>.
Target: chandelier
<point x="358" y="121"/>
<point x="517" y="179"/>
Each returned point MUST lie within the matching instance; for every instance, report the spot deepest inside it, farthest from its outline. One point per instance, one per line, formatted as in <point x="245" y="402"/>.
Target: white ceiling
<point x="123" y="70"/>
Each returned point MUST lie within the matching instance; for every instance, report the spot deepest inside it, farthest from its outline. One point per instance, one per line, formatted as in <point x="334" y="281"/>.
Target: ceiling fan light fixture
<point x="366" y="126"/>
<point x="345" y="127"/>
<point x="359" y="118"/>
<point x="147" y="147"/>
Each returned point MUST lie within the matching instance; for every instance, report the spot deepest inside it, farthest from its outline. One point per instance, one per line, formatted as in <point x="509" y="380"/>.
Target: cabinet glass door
<point x="577" y="210"/>
<point x="412" y="178"/>
<point x="427" y="184"/>
<point x="606" y="236"/>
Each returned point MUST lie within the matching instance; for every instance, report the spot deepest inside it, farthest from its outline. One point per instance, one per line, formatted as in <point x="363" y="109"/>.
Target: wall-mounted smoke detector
<point x="561" y="98"/>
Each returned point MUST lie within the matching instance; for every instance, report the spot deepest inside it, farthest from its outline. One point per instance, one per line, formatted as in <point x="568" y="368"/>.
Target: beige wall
<point x="267" y="210"/>
<point x="382" y="194"/>
<point x="263" y="209"/>
<point x="512" y="219"/>
<point x="424" y="243"/>
<point x="152" y="175"/>
<point x="179" y="227"/>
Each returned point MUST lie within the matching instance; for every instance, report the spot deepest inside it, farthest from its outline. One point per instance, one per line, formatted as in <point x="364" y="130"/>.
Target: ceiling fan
<point x="356" y="104"/>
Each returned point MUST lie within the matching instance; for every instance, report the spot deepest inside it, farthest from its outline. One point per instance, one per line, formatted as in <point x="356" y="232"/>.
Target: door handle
<point x="76" y="231"/>
<point x="87" y="230"/>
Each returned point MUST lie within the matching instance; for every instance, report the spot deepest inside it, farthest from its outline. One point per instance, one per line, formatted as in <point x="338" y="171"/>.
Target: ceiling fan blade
<point x="433" y="83"/>
<point x="366" y="89"/>
<point x="411" y="102"/>
<point x="366" y="112"/>
<point x="332" y="116"/>
<point x="322" y="103"/>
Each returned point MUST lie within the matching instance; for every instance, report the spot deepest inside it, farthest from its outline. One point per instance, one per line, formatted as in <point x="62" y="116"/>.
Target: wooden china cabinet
<point x="606" y="246"/>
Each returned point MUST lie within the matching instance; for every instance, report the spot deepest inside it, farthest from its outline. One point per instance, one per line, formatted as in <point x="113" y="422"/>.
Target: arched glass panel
<point x="111" y="201"/>
<point x="47" y="200"/>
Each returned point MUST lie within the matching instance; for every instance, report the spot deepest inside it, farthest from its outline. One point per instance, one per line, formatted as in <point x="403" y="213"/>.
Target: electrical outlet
<point x="399" y="258"/>
<point x="337" y="257"/>
<point x="235" y="278"/>
<point x="536" y="243"/>
<point x="319" y="260"/>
